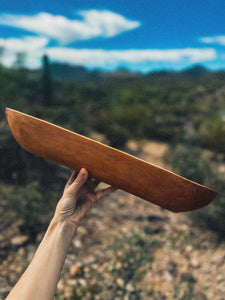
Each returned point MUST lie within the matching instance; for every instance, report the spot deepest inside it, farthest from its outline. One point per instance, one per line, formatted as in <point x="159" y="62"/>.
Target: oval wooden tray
<point x="110" y="165"/>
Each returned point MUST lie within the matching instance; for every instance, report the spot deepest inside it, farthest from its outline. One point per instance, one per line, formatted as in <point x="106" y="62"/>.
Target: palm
<point x="78" y="196"/>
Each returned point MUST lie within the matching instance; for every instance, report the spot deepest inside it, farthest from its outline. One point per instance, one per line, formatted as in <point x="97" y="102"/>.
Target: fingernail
<point x="83" y="172"/>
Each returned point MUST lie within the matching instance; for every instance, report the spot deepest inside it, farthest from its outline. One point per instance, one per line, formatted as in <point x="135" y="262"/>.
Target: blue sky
<point x="138" y="35"/>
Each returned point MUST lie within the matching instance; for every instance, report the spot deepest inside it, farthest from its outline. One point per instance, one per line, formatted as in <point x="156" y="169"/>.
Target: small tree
<point x="46" y="81"/>
<point x="20" y="60"/>
<point x="1" y="54"/>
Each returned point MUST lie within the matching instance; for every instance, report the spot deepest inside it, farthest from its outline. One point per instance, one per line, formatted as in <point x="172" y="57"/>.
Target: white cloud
<point x="107" y="22"/>
<point x="95" y="23"/>
<point x="219" y="39"/>
<point x="25" y="44"/>
<point x="35" y="47"/>
<point x="100" y="58"/>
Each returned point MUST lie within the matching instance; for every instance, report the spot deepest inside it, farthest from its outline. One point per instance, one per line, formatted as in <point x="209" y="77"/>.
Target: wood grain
<point x="112" y="166"/>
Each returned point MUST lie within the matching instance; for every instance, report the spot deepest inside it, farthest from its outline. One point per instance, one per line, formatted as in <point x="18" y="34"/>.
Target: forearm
<point x="41" y="277"/>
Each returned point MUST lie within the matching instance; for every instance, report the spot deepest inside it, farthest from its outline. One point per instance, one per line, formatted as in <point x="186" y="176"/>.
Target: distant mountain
<point x="61" y="71"/>
<point x="196" y="70"/>
<point x="69" y="72"/>
<point x="121" y="73"/>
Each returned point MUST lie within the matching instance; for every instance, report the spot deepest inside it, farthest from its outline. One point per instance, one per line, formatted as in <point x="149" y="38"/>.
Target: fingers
<point x="104" y="192"/>
<point x="80" y="180"/>
<point x="76" y="182"/>
<point x="71" y="179"/>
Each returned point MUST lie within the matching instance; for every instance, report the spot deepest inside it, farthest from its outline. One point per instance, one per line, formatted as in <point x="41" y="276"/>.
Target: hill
<point x="68" y="72"/>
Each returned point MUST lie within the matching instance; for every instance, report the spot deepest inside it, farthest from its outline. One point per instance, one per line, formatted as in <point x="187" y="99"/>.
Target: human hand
<point x="78" y="196"/>
<point x="42" y="275"/>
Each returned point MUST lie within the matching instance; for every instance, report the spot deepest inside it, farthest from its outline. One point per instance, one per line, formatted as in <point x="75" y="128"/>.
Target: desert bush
<point x="133" y="253"/>
<point x="34" y="203"/>
<point x="130" y="256"/>
<point x="189" y="162"/>
<point x="27" y="203"/>
<point x="211" y="134"/>
<point x="115" y="133"/>
<point x="30" y="186"/>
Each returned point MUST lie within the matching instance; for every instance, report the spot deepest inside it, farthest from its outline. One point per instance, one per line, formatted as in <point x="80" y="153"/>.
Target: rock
<point x="21" y="252"/>
<point x="19" y="240"/>
<point x="82" y="230"/>
<point x="75" y="270"/>
<point x="188" y="249"/>
<point x="168" y="277"/>
<point x="119" y="253"/>
<point x="130" y="288"/>
<point x="68" y="292"/>
<point x="120" y="282"/>
<point x="30" y="249"/>
<point x="39" y="237"/>
<point x="77" y="244"/>
<point x="13" y="277"/>
<point x="195" y="262"/>
<point x="60" y="285"/>
<point x="118" y="265"/>
<point x="95" y="266"/>
<point x="72" y="282"/>
<point x="82" y="282"/>
<point x="4" y="287"/>
<point x="90" y="259"/>
<point x="19" y="269"/>
<point x="220" y="278"/>
<point x="218" y="256"/>
<point x="86" y="270"/>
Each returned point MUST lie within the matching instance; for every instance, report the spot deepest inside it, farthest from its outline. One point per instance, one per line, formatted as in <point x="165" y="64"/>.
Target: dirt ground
<point x="127" y="248"/>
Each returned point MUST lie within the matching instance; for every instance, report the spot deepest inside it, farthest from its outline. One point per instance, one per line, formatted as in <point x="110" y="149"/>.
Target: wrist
<point x="62" y="227"/>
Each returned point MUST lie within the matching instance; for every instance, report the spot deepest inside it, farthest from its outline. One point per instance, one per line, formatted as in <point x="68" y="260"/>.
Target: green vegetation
<point x="192" y="162"/>
<point x="185" y="109"/>
<point x="132" y="254"/>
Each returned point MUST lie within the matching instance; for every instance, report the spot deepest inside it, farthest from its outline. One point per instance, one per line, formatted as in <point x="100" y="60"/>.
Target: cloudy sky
<point x="140" y="35"/>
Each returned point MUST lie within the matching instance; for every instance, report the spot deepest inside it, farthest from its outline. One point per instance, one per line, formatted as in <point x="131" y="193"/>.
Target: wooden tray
<point x="112" y="166"/>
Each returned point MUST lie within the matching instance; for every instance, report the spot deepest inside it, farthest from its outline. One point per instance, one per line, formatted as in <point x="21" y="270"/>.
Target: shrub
<point x="189" y="162"/>
<point x="134" y="252"/>
<point x="211" y="134"/>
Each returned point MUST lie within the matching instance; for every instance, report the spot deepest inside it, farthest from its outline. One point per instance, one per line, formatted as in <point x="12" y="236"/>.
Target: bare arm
<point x="40" y="279"/>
